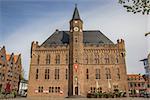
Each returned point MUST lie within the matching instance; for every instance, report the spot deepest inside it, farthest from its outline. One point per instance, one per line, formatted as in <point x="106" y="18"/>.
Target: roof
<point x="76" y="14"/>
<point x="134" y="75"/>
<point x="89" y="36"/>
<point x="8" y="57"/>
<point x="16" y="58"/>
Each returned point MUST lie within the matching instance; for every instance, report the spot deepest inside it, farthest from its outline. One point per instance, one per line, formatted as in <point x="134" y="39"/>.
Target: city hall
<point x="76" y="62"/>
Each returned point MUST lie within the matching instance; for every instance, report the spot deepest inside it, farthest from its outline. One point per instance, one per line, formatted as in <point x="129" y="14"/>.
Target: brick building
<point x="10" y="70"/>
<point x="76" y="62"/>
<point x="137" y="84"/>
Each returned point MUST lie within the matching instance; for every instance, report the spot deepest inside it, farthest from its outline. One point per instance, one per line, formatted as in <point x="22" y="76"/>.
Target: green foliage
<point x="115" y="94"/>
<point x="136" y="6"/>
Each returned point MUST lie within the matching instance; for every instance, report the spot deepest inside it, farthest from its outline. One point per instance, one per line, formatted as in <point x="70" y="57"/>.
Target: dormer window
<point x="76" y="40"/>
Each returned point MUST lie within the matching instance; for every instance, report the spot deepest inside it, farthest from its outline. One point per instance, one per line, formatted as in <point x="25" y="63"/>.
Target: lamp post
<point x="146" y="34"/>
<point x="148" y="38"/>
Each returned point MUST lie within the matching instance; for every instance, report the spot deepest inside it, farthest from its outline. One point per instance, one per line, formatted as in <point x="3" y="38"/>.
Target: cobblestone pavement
<point x="19" y="98"/>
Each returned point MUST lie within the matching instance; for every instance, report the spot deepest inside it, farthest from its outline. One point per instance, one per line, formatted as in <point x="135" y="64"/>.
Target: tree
<point x="136" y="6"/>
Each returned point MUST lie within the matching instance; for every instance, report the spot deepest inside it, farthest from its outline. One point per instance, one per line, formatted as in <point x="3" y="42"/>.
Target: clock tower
<point x="76" y="54"/>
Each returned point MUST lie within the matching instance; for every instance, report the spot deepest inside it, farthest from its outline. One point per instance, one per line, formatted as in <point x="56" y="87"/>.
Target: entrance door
<point x="76" y="90"/>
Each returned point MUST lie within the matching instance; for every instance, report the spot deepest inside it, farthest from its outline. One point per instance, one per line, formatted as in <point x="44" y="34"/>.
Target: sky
<point x="24" y="21"/>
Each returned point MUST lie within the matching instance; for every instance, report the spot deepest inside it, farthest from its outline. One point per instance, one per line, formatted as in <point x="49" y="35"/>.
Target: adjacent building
<point x="137" y="84"/>
<point x="146" y="63"/>
<point x="76" y="62"/>
<point x="23" y="86"/>
<point x="10" y="70"/>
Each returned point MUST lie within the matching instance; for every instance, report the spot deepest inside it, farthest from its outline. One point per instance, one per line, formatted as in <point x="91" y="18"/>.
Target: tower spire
<point x="76" y="13"/>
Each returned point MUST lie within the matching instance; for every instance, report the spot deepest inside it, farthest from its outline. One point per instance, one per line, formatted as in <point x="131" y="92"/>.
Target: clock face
<point x="76" y="29"/>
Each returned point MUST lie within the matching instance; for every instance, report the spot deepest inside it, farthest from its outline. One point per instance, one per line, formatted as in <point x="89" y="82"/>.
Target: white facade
<point x="148" y="69"/>
<point x="23" y="88"/>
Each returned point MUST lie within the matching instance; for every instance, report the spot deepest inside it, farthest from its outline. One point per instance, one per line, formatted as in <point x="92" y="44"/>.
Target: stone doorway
<point x="76" y="90"/>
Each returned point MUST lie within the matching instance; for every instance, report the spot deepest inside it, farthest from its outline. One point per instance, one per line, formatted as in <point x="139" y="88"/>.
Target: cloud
<point x="20" y="40"/>
<point x="116" y="23"/>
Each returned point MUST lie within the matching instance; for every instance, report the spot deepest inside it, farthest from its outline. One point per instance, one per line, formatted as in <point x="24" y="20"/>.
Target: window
<point x="108" y="73"/>
<point x="11" y="64"/>
<point x="38" y="59"/>
<point x="139" y="85"/>
<point x="57" y="74"/>
<point x="107" y="59"/>
<point x="76" y="60"/>
<point x="148" y="85"/>
<point x="37" y="72"/>
<point x="135" y="85"/>
<point x="122" y="55"/>
<point x="3" y="57"/>
<point x="97" y="74"/>
<point x="99" y="90"/>
<point x="67" y="61"/>
<point x="50" y="89"/>
<point x="56" y="89"/>
<point x="48" y="57"/>
<point x="86" y="59"/>
<point x="87" y="73"/>
<point x="118" y="73"/>
<point x="117" y="60"/>
<point x="142" y="84"/>
<point x="76" y="40"/>
<point x="96" y="59"/>
<point x="66" y="74"/>
<point x="57" y="59"/>
<point x="131" y="84"/>
<point x="91" y="90"/>
<point x="40" y="89"/>
<point x="94" y="89"/>
<point x="46" y="73"/>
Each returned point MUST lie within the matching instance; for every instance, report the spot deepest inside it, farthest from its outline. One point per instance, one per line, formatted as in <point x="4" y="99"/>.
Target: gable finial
<point x="76" y="5"/>
<point x="76" y="13"/>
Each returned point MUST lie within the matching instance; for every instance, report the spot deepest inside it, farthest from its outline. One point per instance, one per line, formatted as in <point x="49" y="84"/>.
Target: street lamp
<point x="146" y="34"/>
